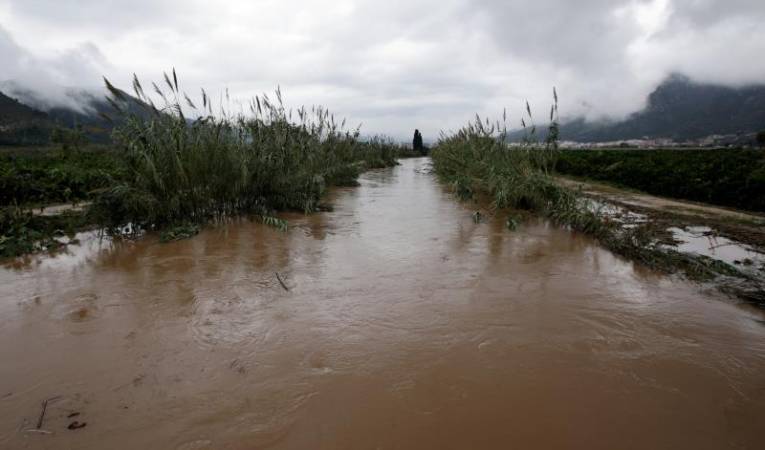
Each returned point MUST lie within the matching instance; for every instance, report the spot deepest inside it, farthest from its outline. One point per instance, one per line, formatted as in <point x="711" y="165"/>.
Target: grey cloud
<point x="49" y="82"/>
<point x="398" y="64"/>
<point x="577" y="33"/>
<point x="703" y="13"/>
<point x="107" y="16"/>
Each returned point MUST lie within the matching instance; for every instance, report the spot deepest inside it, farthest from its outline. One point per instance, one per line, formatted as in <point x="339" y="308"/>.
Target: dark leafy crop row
<point x="46" y="175"/>
<point x="727" y="177"/>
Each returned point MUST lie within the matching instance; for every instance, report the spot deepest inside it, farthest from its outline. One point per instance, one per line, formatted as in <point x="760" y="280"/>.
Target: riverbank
<point x="733" y="237"/>
<point x="476" y="161"/>
<point x="746" y="226"/>
<point x="49" y="195"/>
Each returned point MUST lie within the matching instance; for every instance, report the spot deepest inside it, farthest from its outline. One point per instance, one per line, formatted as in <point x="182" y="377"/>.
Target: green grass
<point x="726" y="177"/>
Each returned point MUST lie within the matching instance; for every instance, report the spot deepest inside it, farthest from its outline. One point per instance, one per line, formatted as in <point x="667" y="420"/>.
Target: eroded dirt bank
<point x="406" y="325"/>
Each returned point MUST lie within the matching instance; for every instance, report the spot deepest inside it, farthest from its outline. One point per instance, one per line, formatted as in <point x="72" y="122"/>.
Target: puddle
<point x="703" y="241"/>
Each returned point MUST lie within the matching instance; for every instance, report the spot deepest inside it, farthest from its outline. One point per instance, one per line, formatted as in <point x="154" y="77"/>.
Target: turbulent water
<point x="405" y="325"/>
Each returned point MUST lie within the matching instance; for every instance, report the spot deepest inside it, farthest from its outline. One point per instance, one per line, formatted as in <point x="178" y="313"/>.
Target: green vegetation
<point x="172" y="171"/>
<point x="181" y="170"/>
<point x="23" y="232"/>
<point x="724" y="177"/>
<point x="179" y="232"/>
<point x="760" y="138"/>
<point x="33" y="177"/>
<point x="22" y="125"/>
<point x="478" y="161"/>
<point x="38" y="176"/>
<point x="70" y="139"/>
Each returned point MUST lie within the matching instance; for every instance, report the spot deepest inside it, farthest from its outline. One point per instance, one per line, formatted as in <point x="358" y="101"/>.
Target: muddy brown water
<point x="406" y="326"/>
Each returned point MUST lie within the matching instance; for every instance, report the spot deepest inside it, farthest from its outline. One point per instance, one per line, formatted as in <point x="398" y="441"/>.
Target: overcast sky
<point x="392" y="65"/>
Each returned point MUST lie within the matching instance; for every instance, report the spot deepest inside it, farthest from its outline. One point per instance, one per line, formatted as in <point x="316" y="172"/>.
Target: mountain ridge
<point x="22" y="124"/>
<point x="680" y="110"/>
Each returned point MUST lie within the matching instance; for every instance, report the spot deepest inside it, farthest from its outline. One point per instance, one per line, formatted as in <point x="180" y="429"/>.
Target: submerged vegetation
<point x="179" y="232"/>
<point x="22" y="232"/>
<point x="727" y="177"/>
<point x="478" y="161"/>
<point x="35" y="177"/>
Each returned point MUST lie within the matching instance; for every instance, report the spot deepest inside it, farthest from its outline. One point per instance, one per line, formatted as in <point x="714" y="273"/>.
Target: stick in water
<point x="281" y="282"/>
<point x="42" y="413"/>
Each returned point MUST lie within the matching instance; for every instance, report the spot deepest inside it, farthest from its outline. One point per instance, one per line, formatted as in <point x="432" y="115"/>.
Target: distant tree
<point x="70" y="139"/>
<point x="761" y="138"/>
<point x="417" y="142"/>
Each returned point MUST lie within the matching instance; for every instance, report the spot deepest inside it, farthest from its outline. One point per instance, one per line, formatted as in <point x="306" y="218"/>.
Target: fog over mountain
<point x="679" y="110"/>
<point x="393" y="65"/>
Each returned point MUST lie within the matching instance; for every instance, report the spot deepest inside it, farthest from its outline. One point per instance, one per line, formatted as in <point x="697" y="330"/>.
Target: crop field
<point x="725" y="177"/>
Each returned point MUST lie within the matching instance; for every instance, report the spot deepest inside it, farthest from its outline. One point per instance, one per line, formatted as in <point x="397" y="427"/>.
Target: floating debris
<point x="281" y="282"/>
<point x="77" y="425"/>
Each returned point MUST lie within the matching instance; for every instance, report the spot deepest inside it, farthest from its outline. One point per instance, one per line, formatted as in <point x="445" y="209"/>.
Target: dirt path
<point x="661" y="204"/>
<point x="55" y="210"/>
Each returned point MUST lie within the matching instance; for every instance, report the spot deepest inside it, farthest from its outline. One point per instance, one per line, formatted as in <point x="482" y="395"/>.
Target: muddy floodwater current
<point x="402" y="324"/>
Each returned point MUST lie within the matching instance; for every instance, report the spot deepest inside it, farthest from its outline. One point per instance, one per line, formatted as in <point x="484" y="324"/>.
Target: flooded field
<point x="402" y="323"/>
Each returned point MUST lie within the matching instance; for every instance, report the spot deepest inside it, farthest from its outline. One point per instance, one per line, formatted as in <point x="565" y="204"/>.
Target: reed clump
<point x="479" y="159"/>
<point x="186" y="164"/>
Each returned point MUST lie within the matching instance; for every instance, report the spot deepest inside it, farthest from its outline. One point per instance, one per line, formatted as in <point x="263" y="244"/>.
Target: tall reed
<point x="478" y="158"/>
<point x="190" y="162"/>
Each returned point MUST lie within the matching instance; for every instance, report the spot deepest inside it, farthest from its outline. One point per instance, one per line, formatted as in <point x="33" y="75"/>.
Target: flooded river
<point x="406" y="326"/>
